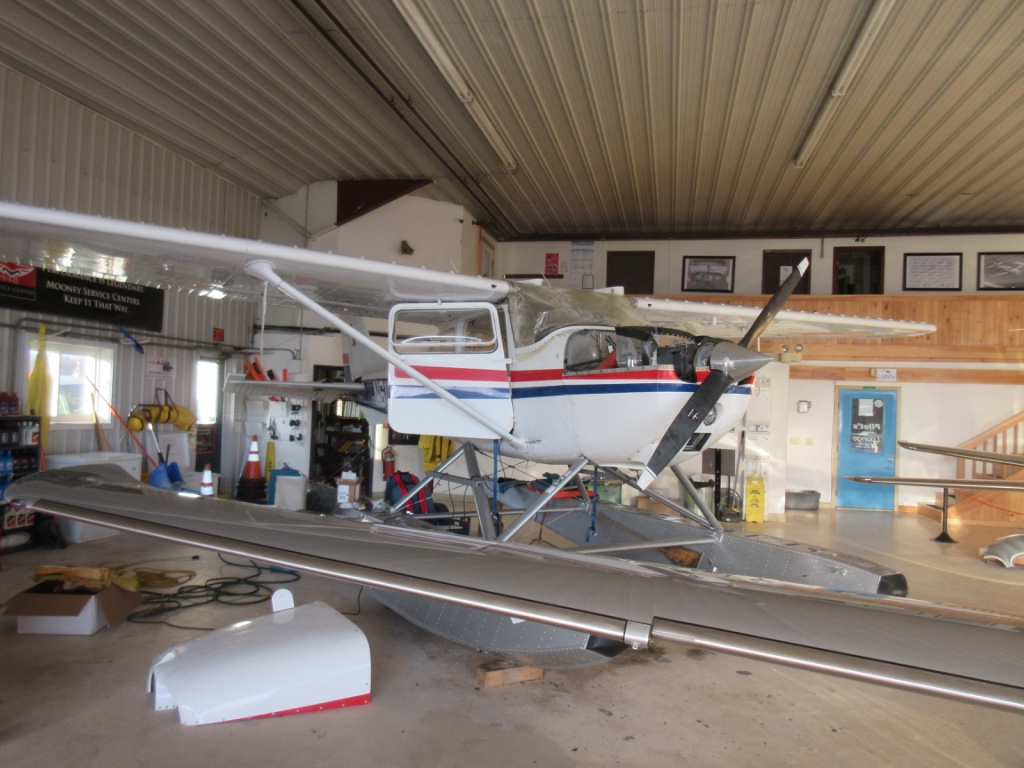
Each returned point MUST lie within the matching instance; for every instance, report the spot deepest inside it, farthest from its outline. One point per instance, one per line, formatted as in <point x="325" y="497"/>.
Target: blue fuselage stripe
<point x="463" y="393"/>
<point x="556" y="390"/>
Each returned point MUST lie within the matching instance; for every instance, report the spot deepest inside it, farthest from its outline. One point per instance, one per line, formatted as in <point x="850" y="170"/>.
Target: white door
<point x="457" y="347"/>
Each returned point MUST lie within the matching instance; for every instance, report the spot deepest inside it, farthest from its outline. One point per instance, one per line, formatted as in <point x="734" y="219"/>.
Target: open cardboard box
<point x="348" y="490"/>
<point x="43" y="611"/>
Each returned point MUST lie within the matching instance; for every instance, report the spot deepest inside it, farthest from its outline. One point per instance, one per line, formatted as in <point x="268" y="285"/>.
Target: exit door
<point x="867" y="446"/>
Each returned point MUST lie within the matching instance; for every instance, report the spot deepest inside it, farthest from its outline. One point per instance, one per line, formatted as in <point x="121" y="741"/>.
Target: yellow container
<point x="753" y="508"/>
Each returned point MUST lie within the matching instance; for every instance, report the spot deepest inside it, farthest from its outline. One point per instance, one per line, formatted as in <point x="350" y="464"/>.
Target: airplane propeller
<point x="728" y="363"/>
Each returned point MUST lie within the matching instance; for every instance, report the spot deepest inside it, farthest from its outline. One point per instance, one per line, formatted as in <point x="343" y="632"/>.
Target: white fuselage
<point x="613" y="417"/>
<point x="559" y="403"/>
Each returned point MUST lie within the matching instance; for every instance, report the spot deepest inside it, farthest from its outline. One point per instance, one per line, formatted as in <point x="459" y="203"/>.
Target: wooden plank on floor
<point x="503" y="672"/>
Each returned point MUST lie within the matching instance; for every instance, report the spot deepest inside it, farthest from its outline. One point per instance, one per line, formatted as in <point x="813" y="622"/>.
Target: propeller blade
<point x="685" y="424"/>
<point x="775" y="303"/>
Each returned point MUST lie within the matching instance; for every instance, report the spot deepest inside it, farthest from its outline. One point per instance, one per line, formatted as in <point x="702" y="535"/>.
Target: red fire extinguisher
<point x="388" y="457"/>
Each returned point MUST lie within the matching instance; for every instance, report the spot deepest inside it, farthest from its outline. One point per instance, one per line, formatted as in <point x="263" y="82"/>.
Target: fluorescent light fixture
<point x="851" y="66"/>
<point x="421" y="28"/>
<point x="213" y="292"/>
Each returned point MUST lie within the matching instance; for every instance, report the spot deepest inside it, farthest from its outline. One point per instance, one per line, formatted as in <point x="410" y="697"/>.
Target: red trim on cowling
<point x="351" y="701"/>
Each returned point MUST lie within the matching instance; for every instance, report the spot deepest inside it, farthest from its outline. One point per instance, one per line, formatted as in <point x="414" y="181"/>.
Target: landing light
<point x="712" y="416"/>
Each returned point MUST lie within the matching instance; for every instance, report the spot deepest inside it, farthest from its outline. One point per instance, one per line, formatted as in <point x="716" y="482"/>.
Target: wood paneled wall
<point x="980" y="328"/>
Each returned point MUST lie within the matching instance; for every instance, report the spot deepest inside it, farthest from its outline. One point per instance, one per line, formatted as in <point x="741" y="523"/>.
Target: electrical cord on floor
<point x="226" y="590"/>
<point x="359" y="604"/>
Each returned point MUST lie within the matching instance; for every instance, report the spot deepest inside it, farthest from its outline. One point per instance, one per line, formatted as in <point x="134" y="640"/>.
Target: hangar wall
<point x="55" y="152"/>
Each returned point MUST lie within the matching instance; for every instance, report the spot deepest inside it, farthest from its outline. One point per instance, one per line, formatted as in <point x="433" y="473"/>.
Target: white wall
<point x="301" y="216"/>
<point x="433" y="229"/>
<point x="810" y="455"/>
<point x="938" y="414"/>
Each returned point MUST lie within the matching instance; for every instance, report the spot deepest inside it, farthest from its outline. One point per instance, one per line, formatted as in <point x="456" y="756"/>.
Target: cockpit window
<point x="601" y="350"/>
<point x="444" y="330"/>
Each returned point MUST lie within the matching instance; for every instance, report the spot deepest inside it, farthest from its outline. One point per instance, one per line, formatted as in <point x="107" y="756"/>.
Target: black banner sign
<point x="37" y="290"/>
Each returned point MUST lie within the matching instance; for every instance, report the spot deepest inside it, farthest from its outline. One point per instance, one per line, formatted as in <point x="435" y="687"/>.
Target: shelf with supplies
<point x="19" y="456"/>
<point x="318" y="391"/>
<point x="341" y="443"/>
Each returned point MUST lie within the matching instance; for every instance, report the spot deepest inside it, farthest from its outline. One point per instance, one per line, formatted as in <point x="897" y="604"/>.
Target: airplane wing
<point x="993" y="484"/>
<point x="150" y="254"/>
<point x="729" y="322"/>
<point x="965" y="453"/>
<point x="154" y="255"/>
<point x="979" y="483"/>
<point x="969" y="655"/>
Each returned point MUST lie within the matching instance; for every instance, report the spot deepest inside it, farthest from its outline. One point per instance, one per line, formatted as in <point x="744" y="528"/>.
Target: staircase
<point x="972" y="506"/>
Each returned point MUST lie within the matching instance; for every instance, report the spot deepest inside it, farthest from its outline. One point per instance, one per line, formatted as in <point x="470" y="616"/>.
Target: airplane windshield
<point x="537" y="310"/>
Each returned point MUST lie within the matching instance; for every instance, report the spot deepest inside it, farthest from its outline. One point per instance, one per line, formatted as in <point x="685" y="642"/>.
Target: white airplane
<point x="630" y="386"/>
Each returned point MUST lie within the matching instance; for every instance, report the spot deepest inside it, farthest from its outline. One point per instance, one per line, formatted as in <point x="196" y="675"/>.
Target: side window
<point x="601" y="350"/>
<point x="208" y="389"/>
<point x="81" y="376"/>
<point x="444" y="330"/>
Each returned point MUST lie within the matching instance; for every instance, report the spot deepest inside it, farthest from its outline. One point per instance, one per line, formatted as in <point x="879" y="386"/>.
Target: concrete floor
<point x="82" y="701"/>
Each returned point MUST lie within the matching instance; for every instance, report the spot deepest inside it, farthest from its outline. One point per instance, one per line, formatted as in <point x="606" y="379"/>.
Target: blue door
<point x="867" y="446"/>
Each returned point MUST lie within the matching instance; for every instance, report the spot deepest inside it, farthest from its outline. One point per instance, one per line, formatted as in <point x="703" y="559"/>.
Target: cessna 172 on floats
<point x="628" y="385"/>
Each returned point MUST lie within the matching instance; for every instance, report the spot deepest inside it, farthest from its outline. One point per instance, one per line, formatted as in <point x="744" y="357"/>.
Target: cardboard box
<point x="348" y="492"/>
<point x="42" y="611"/>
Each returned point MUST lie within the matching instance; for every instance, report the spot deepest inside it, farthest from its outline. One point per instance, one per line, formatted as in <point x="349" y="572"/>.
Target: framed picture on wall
<point x="1001" y="271"/>
<point x="709" y="274"/>
<point x="932" y="271"/>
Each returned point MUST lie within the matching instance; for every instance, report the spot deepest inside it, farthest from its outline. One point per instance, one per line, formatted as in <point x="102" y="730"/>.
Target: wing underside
<point x="149" y="254"/>
<point x="885" y="640"/>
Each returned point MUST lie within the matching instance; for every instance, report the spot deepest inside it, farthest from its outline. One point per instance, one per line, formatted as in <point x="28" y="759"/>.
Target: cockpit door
<point x="458" y="347"/>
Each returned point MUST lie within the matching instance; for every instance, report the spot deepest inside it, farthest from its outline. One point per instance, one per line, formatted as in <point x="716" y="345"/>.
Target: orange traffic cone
<point x="252" y="486"/>
<point x="252" y="469"/>
<point x="206" y="486"/>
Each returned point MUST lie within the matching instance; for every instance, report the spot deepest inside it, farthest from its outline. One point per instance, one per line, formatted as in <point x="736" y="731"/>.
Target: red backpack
<point x="399" y="485"/>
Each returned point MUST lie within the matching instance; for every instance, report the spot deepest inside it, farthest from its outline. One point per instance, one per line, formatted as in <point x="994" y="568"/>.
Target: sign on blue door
<point x="867" y="446"/>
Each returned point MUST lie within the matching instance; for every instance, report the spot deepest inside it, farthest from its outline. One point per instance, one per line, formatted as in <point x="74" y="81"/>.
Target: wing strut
<point x="264" y="270"/>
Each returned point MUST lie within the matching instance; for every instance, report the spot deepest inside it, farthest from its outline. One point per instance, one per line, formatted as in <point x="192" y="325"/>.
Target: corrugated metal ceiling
<point x="622" y="118"/>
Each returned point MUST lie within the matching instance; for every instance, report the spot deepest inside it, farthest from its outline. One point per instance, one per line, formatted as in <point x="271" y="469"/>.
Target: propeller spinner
<point x="728" y="363"/>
